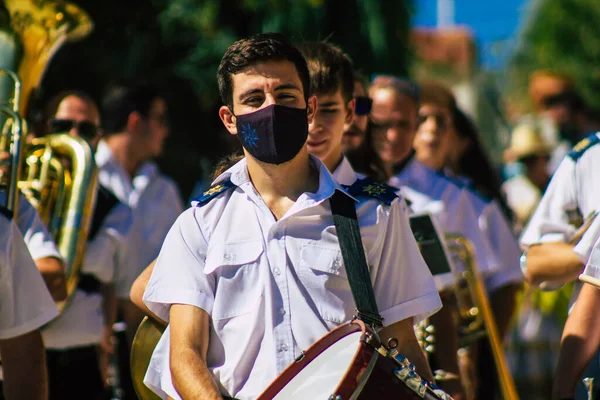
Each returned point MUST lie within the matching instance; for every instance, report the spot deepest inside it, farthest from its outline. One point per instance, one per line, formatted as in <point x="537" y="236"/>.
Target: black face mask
<point x="273" y="135"/>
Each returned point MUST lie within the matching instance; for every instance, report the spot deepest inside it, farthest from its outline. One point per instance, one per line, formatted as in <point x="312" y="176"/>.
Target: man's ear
<point x="228" y="119"/>
<point x="350" y="111"/>
<point x="311" y="108"/>
<point x="135" y="122"/>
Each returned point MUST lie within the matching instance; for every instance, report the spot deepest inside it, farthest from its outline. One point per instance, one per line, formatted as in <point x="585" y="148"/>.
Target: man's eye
<point x="286" y="96"/>
<point x="253" y="100"/>
<point x="329" y="110"/>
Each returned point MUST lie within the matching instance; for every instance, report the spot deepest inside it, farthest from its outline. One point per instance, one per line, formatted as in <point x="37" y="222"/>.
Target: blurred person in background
<point x="563" y="113"/>
<point x="446" y="146"/>
<point x="355" y="130"/>
<point x="523" y="192"/>
<point x="135" y="125"/>
<point x="80" y="340"/>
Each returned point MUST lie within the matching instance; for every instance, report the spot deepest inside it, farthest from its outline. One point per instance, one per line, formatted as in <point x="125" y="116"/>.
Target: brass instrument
<point x="10" y="139"/>
<point x="59" y="170"/>
<point x="476" y="317"/>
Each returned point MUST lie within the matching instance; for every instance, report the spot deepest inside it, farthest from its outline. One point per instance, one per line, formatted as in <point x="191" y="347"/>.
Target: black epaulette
<point x="213" y="192"/>
<point x="6" y="212"/>
<point x="583" y="146"/>
<point x="369" y="188"/>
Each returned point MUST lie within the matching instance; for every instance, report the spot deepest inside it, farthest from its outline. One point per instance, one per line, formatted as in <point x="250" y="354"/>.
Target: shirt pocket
<point x="236" y="268"/>
<point x="323" y="274"/>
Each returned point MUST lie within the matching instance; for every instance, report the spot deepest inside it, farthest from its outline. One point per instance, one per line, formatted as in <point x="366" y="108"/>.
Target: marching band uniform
<point x="593" y="234"/>
<point x="155" y="202"/>
<point x="26" y="303"/>
<point x="277" y="286"/>
<point x="73" y="338"/>
<point x="451" y="205"/>
<point x="572" y="195"/>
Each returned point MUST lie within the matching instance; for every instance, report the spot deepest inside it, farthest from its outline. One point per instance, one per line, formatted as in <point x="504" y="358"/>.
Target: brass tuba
<point x="59" y="172"/>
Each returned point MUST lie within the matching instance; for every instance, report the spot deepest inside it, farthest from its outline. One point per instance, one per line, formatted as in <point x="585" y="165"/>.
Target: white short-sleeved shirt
<point x="522" y="197"/>
<point x="452" y="207"/>
<point x="36" y="235"/>
<point x="82" y="322"/>
<point x="572" y="193"/>
<point x="593" y="266"/>
<point x="155" y="202"/>
<point x="273" y="288"/>
<point x="25" y="303"/>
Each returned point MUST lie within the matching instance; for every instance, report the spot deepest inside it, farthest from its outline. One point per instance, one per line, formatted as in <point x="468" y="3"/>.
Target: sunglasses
<point x="86" y="129"/>
<point x="363" y="105"/>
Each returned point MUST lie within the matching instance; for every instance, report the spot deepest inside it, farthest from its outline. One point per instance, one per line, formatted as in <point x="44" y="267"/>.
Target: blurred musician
<point x="394" y="124"/>
<point x="440" y="146"/>
<point x="135" y="126"/>
<point x="73" y="339"/>
<point x="26" y="306"/>
<point x="554" y="253"/>
<point x="271" y="188"/>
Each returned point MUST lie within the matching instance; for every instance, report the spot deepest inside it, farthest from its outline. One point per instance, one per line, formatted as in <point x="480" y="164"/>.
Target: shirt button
<point x="282" y="311"/>
<point x="283" y="347"/>
<point x="228" y="256"/>
<point x="276" y="271"/>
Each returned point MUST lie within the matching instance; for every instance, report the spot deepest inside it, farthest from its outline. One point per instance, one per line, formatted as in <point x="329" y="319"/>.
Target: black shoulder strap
<point x="6" y="212"/>
<point x="348" y="231"/>
<point x="105" y="202"/>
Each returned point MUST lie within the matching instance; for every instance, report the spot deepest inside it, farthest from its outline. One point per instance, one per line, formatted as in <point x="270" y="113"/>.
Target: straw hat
<point x="526" y="140"/>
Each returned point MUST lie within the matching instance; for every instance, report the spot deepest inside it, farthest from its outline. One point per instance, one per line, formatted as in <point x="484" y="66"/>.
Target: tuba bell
<point x="56" y="173"/>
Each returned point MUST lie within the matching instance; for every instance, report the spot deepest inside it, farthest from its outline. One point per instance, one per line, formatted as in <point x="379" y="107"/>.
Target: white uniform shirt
<point x="574" y="189"/>
<point x="593" y="266"/>
<point x="273" y="288"/>
<point x="36" y="235"/>
<point x="82" y="322"/>
<point x="451" y="205"/>
<point x="572" y="194"/>
<point x="25" y="303"/>
<point x="155" y="202"/>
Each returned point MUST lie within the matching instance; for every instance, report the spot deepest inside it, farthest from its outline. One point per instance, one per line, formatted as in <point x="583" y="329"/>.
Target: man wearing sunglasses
<point x="84" y="328"/>
<point x="354" y="131"/>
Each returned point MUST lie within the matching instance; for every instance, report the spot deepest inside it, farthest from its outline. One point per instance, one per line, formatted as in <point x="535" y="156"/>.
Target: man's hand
<point x="552" y="262"/>
<point x="53" y="272"/>
<point x="404" y="332"/>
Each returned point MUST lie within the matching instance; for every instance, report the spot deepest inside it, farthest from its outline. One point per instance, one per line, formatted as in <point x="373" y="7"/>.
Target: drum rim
<point x="308" y="355"/>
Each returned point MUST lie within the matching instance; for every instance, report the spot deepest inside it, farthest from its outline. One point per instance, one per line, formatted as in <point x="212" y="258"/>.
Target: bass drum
<point x="349" y="363"/>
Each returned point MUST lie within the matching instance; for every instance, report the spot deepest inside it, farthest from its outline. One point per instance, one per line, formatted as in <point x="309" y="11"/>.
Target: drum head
<point x="323" y="368"/>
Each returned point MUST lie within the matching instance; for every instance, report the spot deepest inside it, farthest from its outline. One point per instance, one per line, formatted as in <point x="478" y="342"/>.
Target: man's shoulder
<point x="368" y="188"/>
<point x="584" y="145"/>
<point x="213" y="192"/>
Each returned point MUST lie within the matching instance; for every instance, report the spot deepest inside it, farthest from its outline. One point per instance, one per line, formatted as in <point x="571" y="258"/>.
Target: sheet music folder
<point x="433" y="249"/>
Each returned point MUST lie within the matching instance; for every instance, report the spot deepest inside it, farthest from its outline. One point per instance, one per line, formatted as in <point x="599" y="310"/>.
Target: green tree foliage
<point x="562" y="36"/>
<point x="373" y="32"/>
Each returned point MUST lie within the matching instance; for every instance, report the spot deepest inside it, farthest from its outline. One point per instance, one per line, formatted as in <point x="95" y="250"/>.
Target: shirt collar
<point x="238" y="174"/>
<point x="344" y="173"/>
<point x="103" y="154"/>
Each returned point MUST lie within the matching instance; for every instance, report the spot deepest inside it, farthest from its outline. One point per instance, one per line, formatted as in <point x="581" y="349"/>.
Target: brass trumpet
<point x="476" y="317"/>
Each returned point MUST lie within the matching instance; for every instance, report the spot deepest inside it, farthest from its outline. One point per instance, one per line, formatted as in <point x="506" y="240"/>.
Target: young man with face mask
<point x="239" y="278"/>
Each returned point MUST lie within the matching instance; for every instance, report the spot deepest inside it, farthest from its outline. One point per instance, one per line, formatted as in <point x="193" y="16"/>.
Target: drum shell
<point x="370" y="375"/>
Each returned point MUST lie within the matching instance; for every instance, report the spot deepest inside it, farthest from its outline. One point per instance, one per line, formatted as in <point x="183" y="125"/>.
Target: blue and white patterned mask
<point x="274" y="134"/>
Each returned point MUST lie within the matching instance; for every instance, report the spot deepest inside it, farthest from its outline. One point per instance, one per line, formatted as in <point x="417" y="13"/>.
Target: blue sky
<point x="494" y="23"/>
